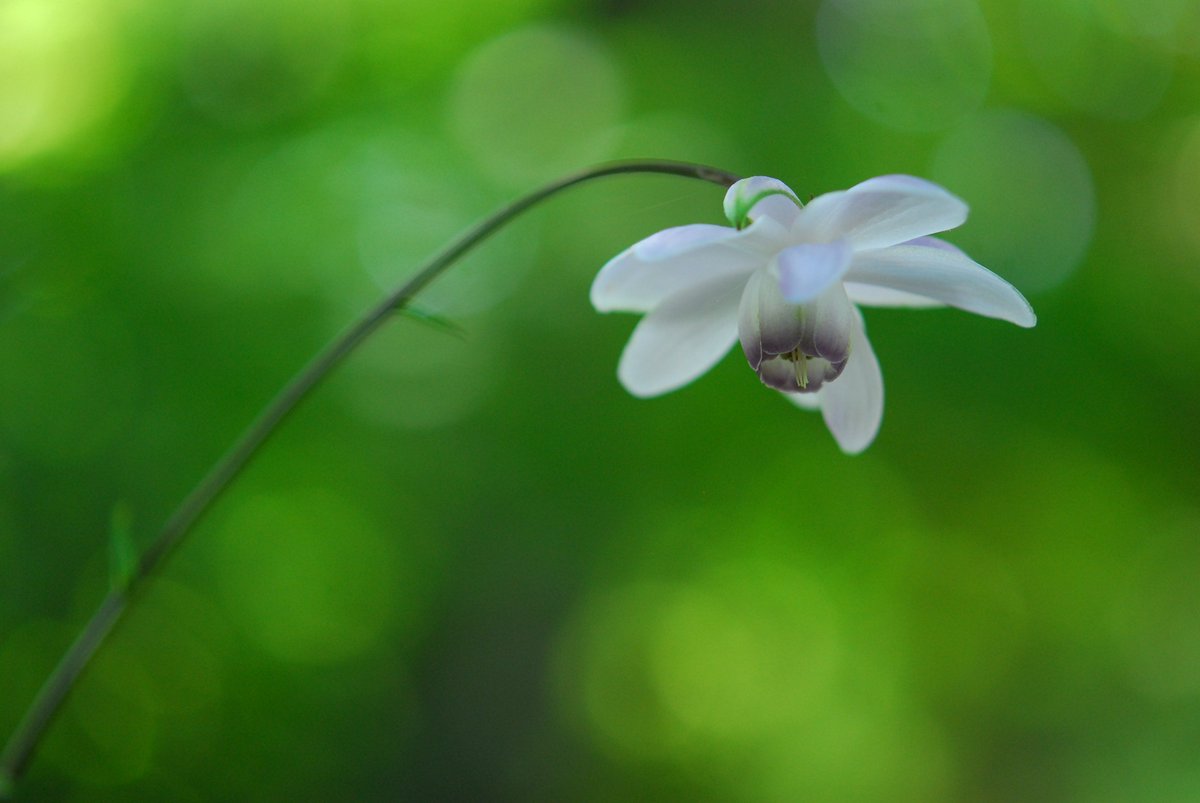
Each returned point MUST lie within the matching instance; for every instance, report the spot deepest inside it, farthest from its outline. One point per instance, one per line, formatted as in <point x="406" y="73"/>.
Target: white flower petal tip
<point x="853" y="406"/>
<point x="760" y="195"/>
<point x="784" y="282"/>
<point x="1022" y="313"/>
<point x="945" y="275"/>
<point x="681" y="339"/>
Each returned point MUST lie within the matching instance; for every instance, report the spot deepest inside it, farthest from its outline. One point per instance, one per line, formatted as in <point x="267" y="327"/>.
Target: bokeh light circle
<point x="536" y="103"/>
<point x="731" y="665"/>
<point x="114" y="731"/>
<point x="914" y="65"/>
<point x="1159" y="20"/>
<point x="1033" y="204"/>
<point x="1090" y="66"/>
<point x="62" y="72"/>
<point x="349" y="211"/>
<point x="309" y="575"/>
<point x="417" y="201"/>
<point x="1158" y="620"/>
<point x="246" y="64"/>
<point x="677" y="670"/>
<point x="608" y="655"/>
<point x="417" y="375"/>
<point x="406" y="43"/>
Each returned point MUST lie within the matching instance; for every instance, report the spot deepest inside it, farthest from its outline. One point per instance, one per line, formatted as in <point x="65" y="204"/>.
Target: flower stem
<point x="25" y="739"/>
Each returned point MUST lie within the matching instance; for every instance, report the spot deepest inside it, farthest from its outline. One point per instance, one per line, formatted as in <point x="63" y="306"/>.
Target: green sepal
<point x="740" y="217"/>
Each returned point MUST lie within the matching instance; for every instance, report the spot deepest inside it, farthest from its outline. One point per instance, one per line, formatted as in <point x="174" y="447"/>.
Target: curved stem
<point x="24" y="741"/>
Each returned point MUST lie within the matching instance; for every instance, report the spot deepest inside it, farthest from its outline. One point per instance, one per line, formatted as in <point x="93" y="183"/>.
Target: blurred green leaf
<point x="122" y="552"/>
<point x="433" y="320"/>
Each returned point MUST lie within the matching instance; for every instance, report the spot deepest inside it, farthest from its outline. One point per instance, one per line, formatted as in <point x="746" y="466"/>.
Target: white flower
<point x="785" y="281"/>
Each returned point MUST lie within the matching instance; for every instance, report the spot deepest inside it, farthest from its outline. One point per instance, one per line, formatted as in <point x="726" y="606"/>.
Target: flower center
<point x="800" y="360"/>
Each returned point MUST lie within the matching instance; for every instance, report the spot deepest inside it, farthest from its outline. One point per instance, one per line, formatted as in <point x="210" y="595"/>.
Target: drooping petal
<point x="871" y="295"/>
<point x="681" y="338"/>
<point x="853" y="404"/>
<point x="946" y="276"/>
<point x="673" y="260"/>
<point x="805" y="401"/>
<point x="934" y="242"/>
<point x="881" y="211"/>
<point x="757" y="196"/>
<point x="807" y="270"/>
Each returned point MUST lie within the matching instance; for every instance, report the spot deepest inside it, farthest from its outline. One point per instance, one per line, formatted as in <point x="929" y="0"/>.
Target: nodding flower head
<point x="786" y="281"/>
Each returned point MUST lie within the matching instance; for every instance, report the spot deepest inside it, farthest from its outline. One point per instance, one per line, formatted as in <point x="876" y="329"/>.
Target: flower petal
<point x="934" y="242"/>
<point x="681" y="338"/>
<point x="946" y="276"/>
<point x="853" y="404"/>
<point x="805" y="401"/>
<point x="749" y="324"/>
<point x="829" y="326"/>
<point x="807" y="270"/>
<point x="673" y="260"/>
<point x="780" y="325"/>
<point x="767" y="325"/>
<point x="871" y="295"/>
<point x="780" y="374"/>
<point x="760" y="195"/>
<point x="882" y="211"/>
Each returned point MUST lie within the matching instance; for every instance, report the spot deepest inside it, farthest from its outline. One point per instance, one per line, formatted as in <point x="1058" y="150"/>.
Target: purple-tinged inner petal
<point x="749" y="326"/>
<point x="804" y="375"/>
<point x="781" y="325"/>
<point x="794" y="347"/>
<point x="807" y="270"/>
<point x="829" y="324"/>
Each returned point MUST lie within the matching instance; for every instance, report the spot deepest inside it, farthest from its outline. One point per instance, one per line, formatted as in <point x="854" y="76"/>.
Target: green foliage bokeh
<point x="472" y="567"/>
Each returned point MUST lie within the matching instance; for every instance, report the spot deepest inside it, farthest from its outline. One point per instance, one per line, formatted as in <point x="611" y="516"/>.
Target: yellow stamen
<point x="801" y="362"/>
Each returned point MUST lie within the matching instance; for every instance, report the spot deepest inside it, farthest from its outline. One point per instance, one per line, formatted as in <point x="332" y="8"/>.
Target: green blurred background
<point x="472" y="567"/>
